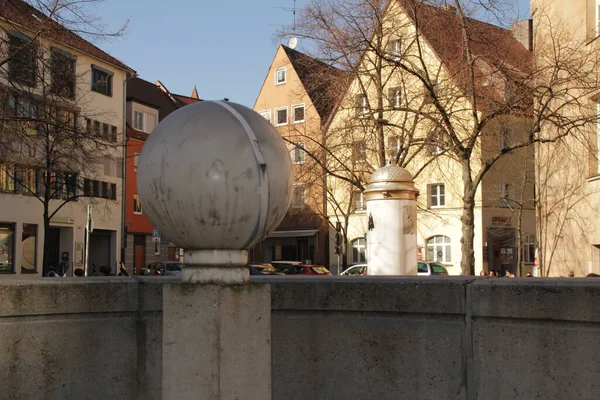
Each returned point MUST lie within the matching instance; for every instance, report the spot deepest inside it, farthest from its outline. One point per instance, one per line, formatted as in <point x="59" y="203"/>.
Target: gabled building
<point x="297" y="98"/>
<point x="61" y="146"/>
<point x="400" y="109"/>
<point x="147" y="104"/>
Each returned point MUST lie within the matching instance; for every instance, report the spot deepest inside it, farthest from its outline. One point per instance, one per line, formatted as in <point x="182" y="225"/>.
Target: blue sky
<point x="223" y="47"/>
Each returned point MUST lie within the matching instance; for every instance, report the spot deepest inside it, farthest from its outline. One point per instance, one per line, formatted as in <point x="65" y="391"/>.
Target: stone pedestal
<point x="216" y="341"/>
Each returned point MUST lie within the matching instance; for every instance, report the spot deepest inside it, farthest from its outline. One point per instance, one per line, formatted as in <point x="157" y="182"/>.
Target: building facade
<point x="296" y="99"/>
<point x="409" y="98"/>
<point x="567" y="172"/>
<point x="147" y="104"/>
<point x="63" y="115"/>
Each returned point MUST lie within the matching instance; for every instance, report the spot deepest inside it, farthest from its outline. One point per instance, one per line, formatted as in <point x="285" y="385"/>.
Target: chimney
<point x="523" y="32"/>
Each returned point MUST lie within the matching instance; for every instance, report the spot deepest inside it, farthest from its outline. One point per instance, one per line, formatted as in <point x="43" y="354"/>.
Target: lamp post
<point x="215" y="178"/>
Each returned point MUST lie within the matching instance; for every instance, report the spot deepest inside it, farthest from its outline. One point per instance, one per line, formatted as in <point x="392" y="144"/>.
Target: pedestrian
<point x="509" y="274"/>
<point x="483" y="273"/>
<point x="529" y="275"/>
<point x="592" y="275"/>
<point x="571" y="274"/>
<point x="493" y="273"/>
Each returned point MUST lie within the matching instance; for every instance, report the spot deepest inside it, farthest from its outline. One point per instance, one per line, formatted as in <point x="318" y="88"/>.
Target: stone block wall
<point x="332" y="338"/>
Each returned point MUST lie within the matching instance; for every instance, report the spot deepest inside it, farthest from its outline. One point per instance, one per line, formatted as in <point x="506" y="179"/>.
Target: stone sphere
<point x="215" y="175"/>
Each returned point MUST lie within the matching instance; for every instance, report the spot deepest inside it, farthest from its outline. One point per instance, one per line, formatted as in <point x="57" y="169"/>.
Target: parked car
<point x="262" y="269"/>
<point x="173" y="268"/>
<point x="430" y="268"/>
<point x="300" y="269"/>
<point x="356" y="269"/>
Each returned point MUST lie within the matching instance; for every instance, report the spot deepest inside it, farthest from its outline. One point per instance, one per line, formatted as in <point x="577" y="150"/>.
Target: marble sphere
<point x="215" y="175"/>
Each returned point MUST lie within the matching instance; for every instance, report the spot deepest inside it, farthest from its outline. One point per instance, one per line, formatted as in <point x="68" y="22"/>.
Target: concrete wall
<point x="332" y="338"/>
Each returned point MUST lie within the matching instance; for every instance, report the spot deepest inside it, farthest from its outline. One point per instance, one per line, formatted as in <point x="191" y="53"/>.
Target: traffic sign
<point x="155" y="236"/>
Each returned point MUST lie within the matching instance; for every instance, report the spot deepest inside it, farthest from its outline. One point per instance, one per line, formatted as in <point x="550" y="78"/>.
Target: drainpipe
<point x="128" y="76"/>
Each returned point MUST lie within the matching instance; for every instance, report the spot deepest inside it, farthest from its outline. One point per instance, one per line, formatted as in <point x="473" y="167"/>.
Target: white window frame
<point x="395" y="97"/>
<point x="505" y="191"/>
<point x="298" y="153"/>
<point x="294" y="107"/>
<point x="435" y="192"/>
<point x="136" y="160"/>
<point x="359" y="244"/>
<point x="363" y="107"/>
<point x="136" y="200"/>
<point x="135" y="120"/>
<point x="299" y="188"/>
<point x="275" y="120"/>
<point x="358" y="205"/>
<point x="396" y="49"/>
<point x="266" y="114"/>
<point x="277" y="81"/>
<point x="529" y="244"/>
<point x="445" y="247"/>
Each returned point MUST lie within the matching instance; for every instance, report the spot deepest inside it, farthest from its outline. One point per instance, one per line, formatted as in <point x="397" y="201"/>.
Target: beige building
<point x="394" y="103"/>
<point x="68" y="97"/>
<point x="296" y="99"/>
<point x="567" y="171"/>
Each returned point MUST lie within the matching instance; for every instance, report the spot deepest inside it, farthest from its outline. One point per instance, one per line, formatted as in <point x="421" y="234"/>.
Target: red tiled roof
<point x="186" y="99"/>
<point x="319" y="80"/>
<point x="492" y="45"/>
<point x="24" y="15"/>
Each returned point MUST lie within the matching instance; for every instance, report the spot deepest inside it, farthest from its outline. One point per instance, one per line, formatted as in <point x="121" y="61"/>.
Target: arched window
<point x="358" y="250"/>
<point x="439" y="249"/>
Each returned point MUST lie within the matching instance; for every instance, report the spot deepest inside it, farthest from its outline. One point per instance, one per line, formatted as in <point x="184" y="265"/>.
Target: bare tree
<point x="53" y="144"/>
<point x="462" y="80"/>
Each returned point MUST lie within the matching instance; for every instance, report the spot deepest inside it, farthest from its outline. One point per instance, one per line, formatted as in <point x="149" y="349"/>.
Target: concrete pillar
<point x="215" y="178"/>
<point x="392" y="211"/>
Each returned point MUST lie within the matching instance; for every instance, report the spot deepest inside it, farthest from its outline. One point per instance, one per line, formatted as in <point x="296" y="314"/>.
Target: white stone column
<point x="392" y="212"/>
<point x="215" y="178"/>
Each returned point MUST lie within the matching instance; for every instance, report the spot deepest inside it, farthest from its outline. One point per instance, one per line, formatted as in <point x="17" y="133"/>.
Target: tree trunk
<point x="467" y="264"/>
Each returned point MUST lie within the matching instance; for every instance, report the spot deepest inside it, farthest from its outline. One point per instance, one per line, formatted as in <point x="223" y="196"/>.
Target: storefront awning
<point x="292" y="234"/>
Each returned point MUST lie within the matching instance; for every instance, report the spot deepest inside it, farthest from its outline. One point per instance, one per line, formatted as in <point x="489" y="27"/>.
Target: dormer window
<point x="280" y="76"/>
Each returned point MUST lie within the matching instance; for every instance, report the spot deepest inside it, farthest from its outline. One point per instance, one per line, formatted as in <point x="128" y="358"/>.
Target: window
<point x="529" y="245"/>
<point x="299" y="197"/>
<point x="62" y="70"/>
<point x="104" y="194"/>
<point x="281" y="117"/>
<point x="434" y="140"/>
<point x="113" y="133"/>
<point x="96" y="128"/>
<point x="22" y="66"/>
<point x="7" y="178"/>
<point x="298" y="113"/>
<point x="266" y="114"/>
<point x="105" y="131"/>
<point x="358" y="201"/>
<point x="87" y="187"/>
<point x="25" y="109"/>
<point x="136" y="160"/>
<point x="138" y="120"/>
<point x="298" y="153"/>
<point x="395" y="98"/>
<point x="437" y="195"/>
<point x="280" y="76"/>
<point x="29" y="249"/>
<point x="359" y="151"/>
<point x="506" y="194"/>
<point x="70" y="186"/>
<point x="101" y="80"/>
<point x="29" y="181"/>
<point x="395" y="149"/>
<point x="359" y="247"/>
<point x="504" y="139"/>
<point x="439" y="249"/>
<point x="395" y="49"/>
<point x="7" y="231"/>
<point x="137" y="204"/>
<point x="113" y="191"/>
<point x="96" y="188"/>
<point x="362" y="104"/>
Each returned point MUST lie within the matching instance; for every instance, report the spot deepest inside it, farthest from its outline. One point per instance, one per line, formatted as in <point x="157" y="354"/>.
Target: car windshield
<point x="421" y="267"/>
